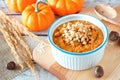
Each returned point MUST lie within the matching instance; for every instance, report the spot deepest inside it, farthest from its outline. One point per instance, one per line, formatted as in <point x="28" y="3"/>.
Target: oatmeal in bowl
<point x="78" y="41"/>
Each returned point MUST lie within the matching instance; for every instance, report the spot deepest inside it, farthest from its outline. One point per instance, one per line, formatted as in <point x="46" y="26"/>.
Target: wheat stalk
<point x="12" y="32"/>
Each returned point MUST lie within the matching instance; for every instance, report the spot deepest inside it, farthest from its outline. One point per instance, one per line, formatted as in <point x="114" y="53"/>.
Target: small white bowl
<point x="78" y="61"/>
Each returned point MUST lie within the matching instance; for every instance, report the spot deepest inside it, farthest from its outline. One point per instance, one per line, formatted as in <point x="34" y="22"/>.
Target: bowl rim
<point x="75" y="53"/>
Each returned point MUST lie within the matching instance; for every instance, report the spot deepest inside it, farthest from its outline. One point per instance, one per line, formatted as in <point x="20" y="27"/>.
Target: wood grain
<point x="110" y="61"/>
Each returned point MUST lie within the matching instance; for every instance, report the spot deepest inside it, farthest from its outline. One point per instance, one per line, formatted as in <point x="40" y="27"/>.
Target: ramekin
<point x="78" y="61"/>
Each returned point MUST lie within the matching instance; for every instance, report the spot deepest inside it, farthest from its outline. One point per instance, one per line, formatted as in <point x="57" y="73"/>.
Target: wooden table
<point x="43" y="74"/>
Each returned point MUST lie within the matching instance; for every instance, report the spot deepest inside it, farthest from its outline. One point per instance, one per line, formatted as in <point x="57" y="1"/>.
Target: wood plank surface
<point x="110" y="61"/>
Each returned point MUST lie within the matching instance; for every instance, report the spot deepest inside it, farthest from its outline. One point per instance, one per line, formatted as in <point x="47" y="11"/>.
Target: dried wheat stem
<point x="25" y="31"/>
<point x="26" y="56"/>
<point x="26" y="59"/>
<point x="21" y="28"/>
<point x="13" y="49"/>
<point x="16" y="47"/>
<point x="21" y="40"/>
<point x="13" y="36"/>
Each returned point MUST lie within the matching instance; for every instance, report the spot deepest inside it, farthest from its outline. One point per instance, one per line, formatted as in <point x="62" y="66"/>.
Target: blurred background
<point x="94" y="2"/>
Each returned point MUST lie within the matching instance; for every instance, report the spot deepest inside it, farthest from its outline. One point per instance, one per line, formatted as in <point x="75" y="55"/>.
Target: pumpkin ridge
<point x="19" y="5"/>
<point x="43" y="7"/>
<point x="57" y="3"/>
<point x="10" y="5"/>
<point x="38" y="21"/>
<point x="34" y="21"/>
<point x="27" y="16"/>
<point x="26" y="13"/>
<point x="43" y="11"/>
<point x="52" y="5"/>
<point x="78" y="4"/>
<point x="41" y="19"/>
<point x="65" y="7"/>
<point x="50" y="18"/>
<point x="47" y="18"/>
<point x="72" y="6"/>
<point x="60" y="7"/>
<point x="30" y="8"/>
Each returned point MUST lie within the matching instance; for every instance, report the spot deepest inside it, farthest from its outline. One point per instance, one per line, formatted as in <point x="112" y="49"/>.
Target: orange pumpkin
<point x="64" y="7"/>
<point x="37" y="18"/>
<point x="19" y="5"/>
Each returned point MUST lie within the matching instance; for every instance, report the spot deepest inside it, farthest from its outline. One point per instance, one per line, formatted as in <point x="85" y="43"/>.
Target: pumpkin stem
<point x="37" y="3"/>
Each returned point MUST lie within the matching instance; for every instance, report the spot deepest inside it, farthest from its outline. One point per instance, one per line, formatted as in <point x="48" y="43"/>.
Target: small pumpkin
<point x="64" y="7"/>
<point x="38" y="17"/>
<point x="19" y="5"/>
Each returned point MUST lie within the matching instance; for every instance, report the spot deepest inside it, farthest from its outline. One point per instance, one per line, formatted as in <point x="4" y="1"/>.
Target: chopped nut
<point x="11" y="65"/>
<point x="113" y="36"/>
<point x="84" y="31"/>
<point x="57" y="34"/>
<point x="64" y="25"/>
<point x="82" y="39"/>
<point x="84" y="42"/>
<point x="61" y="31"/>
<point x="63" y="34"/>
<point x="89" y="33"/>
<point x="80" y="29"/>
<point x="98" y="71"/>
<point x="76" y="32"/>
